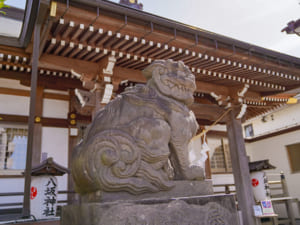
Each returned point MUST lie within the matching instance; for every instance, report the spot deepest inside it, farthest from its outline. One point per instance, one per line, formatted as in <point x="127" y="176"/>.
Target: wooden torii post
<point x="239" y="158"/>
<point x="240" y="167"/>
<point x="240" y="164"/>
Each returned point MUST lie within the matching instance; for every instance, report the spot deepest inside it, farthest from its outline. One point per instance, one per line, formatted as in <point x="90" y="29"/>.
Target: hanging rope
<point x="205" y="131"/>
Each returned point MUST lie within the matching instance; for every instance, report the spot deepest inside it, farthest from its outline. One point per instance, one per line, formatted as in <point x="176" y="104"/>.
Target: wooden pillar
<point x="72" y="143"/>
<point x="37" y="136"/>
<point x="240" y="167"/>
<point x="30" y="142"/>
<point x="71" y="186"/>
<point x="207" y="162"/>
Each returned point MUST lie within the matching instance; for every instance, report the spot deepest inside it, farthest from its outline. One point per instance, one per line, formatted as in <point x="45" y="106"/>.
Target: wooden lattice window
<point x="220" y="161"/>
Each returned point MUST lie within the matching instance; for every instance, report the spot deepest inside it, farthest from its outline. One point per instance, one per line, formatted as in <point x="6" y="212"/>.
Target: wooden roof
<point x="49" y="167"/>
<point x="82" y="34"/>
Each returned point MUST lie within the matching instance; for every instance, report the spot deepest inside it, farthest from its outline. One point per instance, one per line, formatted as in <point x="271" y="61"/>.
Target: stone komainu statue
<point x="139" y="142"/>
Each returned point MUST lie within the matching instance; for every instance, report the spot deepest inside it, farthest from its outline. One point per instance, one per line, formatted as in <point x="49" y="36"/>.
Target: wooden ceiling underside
<point x="79" y="39"/>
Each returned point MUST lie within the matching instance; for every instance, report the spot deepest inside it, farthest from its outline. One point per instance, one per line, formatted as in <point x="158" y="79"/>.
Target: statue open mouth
<point x="178" y="87"/>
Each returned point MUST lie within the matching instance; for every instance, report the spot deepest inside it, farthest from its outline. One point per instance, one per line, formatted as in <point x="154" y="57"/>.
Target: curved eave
<point x="167" y="24"/>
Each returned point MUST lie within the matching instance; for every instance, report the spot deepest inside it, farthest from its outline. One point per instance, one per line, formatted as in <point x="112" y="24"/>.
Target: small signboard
<point x="43" y="191"/>
<point x="267" y="207"/>
<point x="257" y="210"/>
<point x="43" y="196"/>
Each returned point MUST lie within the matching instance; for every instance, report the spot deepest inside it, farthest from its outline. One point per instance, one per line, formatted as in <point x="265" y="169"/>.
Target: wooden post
<point x="288" y="203"/>
<point x="207" y="161"/>
<point x="207" y="167"/>
<point x="72" y="144"/>
<point x="37" y="137"/>
<point x="71" y="185"/>
<point x="240" y="167"/>
<point x="30" y="143"/>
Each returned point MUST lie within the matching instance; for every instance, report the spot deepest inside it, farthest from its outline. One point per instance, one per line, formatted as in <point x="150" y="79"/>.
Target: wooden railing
<point x="280" y="195"/>
<point x="224" y="188"/>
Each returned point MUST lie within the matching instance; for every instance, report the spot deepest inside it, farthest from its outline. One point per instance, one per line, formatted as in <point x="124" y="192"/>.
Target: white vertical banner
<point x="43" y="196"/>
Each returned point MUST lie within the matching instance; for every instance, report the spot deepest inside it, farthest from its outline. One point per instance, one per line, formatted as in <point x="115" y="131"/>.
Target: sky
<point x="257" y="22"/>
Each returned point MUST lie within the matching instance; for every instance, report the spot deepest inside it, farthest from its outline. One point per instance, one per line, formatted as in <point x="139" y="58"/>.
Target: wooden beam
<point x="45" y="33"/>
<point x="78" y="30"/>
<point x="11" y="91"/>
<point x="67" y="31"/>
<point x="68" y="49"/>
<point x="59" y="26"/>
<point x="45" y="121"/>
<point x="60" y="46"/>
<point x="207" y="112"/>
<point x="13" y="51"/>
<point x="13" y="118"/>
<point x="56" y="83"/>
<point x="66" y="64"/>
<point x="92" y="69"/>
<point x="274" y="134"/>
<point x="51" y="45"/>
<point x="56" y="96"/>
<point x="91" y="54"/>
<point x="240" y="167"/>
<point x="218" y="133"/>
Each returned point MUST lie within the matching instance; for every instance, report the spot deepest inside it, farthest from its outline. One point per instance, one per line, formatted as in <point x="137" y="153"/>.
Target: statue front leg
<point x="181" y="164"/>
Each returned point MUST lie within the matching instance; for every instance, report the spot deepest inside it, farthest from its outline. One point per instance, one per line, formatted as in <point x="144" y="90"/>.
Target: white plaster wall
<point x="55" y="108"/>
<point x="274" y="150"/>
<point x="11" y="185"/>
<point x="15" y="105"/>
<point x="55" y="144"/>
<point x="13" y="84"/>
<point x="54" y="140"/>
<point x="284" y="118"/>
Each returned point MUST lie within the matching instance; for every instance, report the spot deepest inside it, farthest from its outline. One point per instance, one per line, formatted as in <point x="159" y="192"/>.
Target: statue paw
<point x="195" y="173"/>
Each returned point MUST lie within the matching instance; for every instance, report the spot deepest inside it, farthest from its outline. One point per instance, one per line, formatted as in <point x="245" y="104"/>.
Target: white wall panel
<point x="55" y="108"/>
<point x="15" y="105"/>
<point x="55" y="144"/>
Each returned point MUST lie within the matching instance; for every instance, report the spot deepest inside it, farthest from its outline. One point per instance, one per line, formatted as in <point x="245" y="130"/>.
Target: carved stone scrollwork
<point x="113" y="162"/>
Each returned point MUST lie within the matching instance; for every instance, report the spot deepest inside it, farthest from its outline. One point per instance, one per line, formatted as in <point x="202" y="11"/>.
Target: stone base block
<point x="202" y="210"/>
<point x="180" y="189"/>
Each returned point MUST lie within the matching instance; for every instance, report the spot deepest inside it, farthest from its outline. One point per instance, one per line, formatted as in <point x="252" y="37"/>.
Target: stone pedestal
<point x="180" y="206"/>
<point x="183" y="188"/>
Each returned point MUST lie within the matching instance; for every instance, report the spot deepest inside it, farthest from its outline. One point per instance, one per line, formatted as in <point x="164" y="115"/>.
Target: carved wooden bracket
<point x="100" y="86"/>
<point x="235" y="99"/>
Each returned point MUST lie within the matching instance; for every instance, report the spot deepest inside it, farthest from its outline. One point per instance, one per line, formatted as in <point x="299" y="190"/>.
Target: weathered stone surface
<point x="181" y="189"/>
<point x="139" y="142"/>
<point x="205" y="210"/>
